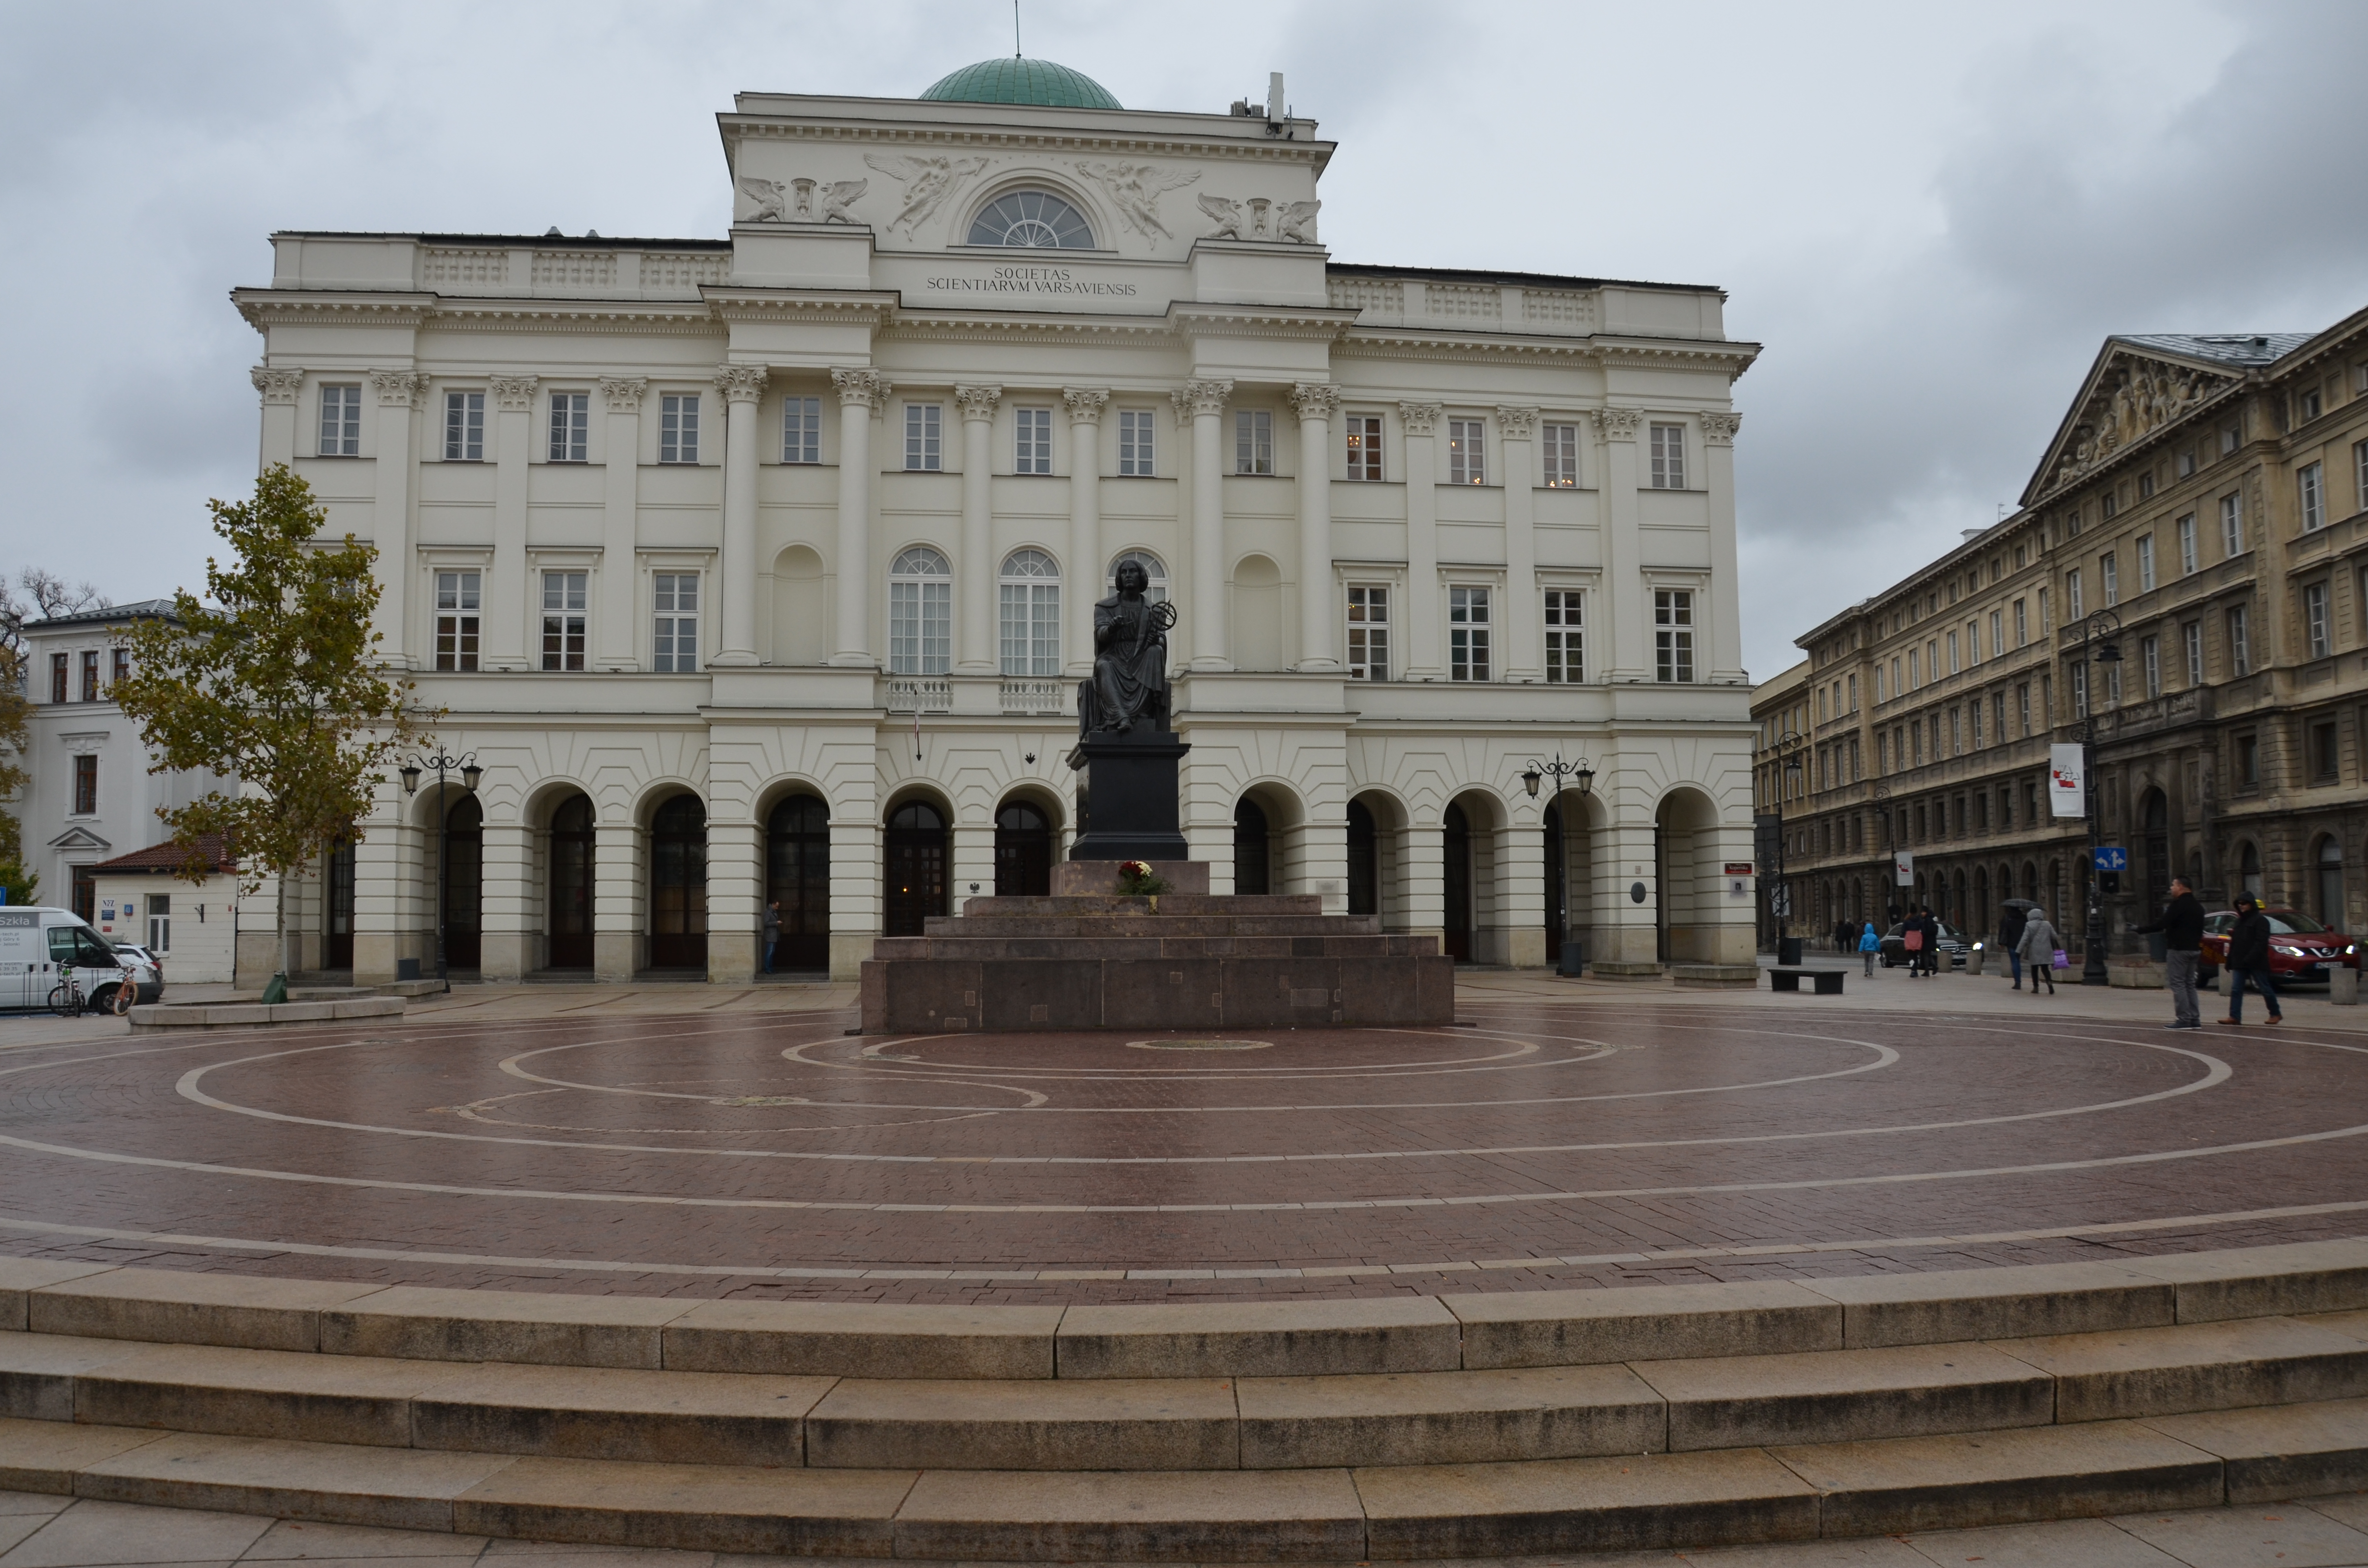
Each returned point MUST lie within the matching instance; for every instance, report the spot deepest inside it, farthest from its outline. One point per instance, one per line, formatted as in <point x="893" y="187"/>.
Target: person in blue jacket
<point x="1869" y="944"/>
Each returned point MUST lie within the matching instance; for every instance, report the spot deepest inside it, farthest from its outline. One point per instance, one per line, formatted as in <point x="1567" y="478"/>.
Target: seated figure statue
<point x="1129" y="686"/>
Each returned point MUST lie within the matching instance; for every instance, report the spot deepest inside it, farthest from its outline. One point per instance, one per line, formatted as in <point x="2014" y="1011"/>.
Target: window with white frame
<point x="925" y="444"/>
<point x="1566" y="637"/>
<point x="562" y="620"/>
<point x="341" y="421"/>
<point x="1953" y="665"/>
<point x="801" y="429"/>
<point x="570" y="427"/>
<point x="1368" y="632"/>
<point x="2240" y="642"/>
<point x="673" y="599"/>
<point x="1253" y="441"/>
<point x="457" y="611"/>
<point x="1559" y="443"/>
<point x="2311" y="482"/>
<point x="2232" y="525"/>
<point x="2151" y="661"/>
<point x="1998" y="633"/>
<point x="2191" y="635"/>
<point x="2108" y="573"/>
<point x="1467" y="451"/>
<point x="1138" y="448"/>
<point x="1031" y="612"/>
<point x="1914" y="678"/>
<point x="464" y="428"/>
<point x="2145" y="564"/>
<point x="1668" y="455"/>
<point x="160" y="922"/>
<point x="2359" y="474"/>
<point x="2187" y="545"/>
<point x="1468" y="630"/>
<point x="2228" y="439"/>
<point x="1364" y="437"/>
<point x="920" y="614"/>
<point x="1032" y="439"/>
<point x="678" y="428"/>
<point x="1673" y="635"/>
<point x="2021" y="623"/>
<point x="2318" y="633"/>
<point x="2072" y="599"/>
<point x="2113" y="683"/>
<point x="2023" y="708"/>
<point x="2080" y="691"/>
<point x="1153" y="570"/>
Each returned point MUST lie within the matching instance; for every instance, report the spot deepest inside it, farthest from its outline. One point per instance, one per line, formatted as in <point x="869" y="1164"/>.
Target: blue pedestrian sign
<point x="2112" y="858"/>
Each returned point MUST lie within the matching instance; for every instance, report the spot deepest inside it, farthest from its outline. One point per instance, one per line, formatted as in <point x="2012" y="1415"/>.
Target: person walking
<point x="2009" y="938"/>
<point x="2038" y="947"/>
<point x="773" y="932"/>
<point x="2181" y="924"/>
<point x="2249" y="959"/>
<point x="1869" y="944"/>
<point x="1931" y="940"/>
<point x="1912" y="941"/>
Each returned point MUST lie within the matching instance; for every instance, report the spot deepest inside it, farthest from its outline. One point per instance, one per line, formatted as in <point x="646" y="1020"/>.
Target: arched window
<point x="1152" y="568"/>
<point x="1035" y="219"/>
<point x="1031" y="614"/>
<point x="920" y="614"/>
<point x="1023" y="851"/>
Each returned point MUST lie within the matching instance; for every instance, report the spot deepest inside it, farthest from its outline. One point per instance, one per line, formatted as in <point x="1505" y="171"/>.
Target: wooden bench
<point x="1829" y="980"/>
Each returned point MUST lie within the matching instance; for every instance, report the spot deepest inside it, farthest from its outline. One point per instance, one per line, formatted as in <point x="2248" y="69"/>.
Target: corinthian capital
<point x="1085" y="404"/>
<point x="1315" y="400"/>
<point x="1718" y="429"/>
<point x="515" y="393"/>
<point x="1516" y="423"/>
<point x="867" y="387"/>
<point x="1420" y="418"/>
<point x="399" y="389"/>
<point x="1196" y="398"/>
<point x="1618" y="423"/>
<point x="740" y="384"/>
<point x="623" y="394"/>
<point x="977" y="403"/>
<point x="277" y="386"/>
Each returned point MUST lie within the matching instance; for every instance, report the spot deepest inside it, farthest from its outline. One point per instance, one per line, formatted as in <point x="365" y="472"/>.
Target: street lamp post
<point x="1787" y="747"/>
<point x="466" y="764"/>
<point x="1878" y="794"/>
<point x="2102" y="629"/>
<point x="1581" y="774"/>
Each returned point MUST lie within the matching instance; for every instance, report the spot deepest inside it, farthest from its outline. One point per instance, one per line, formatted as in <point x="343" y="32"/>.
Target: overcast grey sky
<point x="1930" y="217"/>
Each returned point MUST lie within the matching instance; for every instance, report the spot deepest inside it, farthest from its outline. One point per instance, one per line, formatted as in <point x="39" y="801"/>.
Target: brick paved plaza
<point x="674" y="1142"/>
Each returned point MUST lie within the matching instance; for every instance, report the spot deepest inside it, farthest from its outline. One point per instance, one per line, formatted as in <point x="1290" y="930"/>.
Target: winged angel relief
<point x="927" y="182"/>
<point x="1292" y="220"/>
<point x="794" y="202"/>
<point x="1135" y="189"/>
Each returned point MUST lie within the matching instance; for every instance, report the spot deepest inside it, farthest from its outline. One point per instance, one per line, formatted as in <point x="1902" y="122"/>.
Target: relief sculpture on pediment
<point x="927" y="182"/>
<point x="2133" y="398"/>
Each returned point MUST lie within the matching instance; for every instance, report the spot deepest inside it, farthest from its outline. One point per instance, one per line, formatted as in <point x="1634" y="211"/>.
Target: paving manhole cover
<point x="1198" y="1044"/>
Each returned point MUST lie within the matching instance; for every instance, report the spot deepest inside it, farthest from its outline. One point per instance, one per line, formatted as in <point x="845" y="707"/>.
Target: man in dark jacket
<point x="2181" y="924"/>
<point x="2009" y="937"/>
<point x="2249" y="959"/>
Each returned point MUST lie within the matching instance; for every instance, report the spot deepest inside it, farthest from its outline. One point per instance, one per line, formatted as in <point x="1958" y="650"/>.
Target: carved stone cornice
<point x="1617" y="423"/>
<point x="513" y="394"/>
<point x="1315" y="400"/>
<point x="742" y="383"/>
<point x="1196" y="398"/>
<point x="977" y="403"/>
<point x="867" y="387"/>
<point x="1719" y="428"/>
<point x="1516" y="423"/>
<point x="399" y="389"/>
<point x="1420" y="418"/>
<point x="623" y="394"/>
<point x="1085" y="404"/>
<point x="280" y="387"/>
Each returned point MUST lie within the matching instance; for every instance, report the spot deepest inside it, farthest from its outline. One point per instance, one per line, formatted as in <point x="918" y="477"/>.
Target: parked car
<point x="38" y="944"/>
<point x="1894" y="946"/>
<point x="2302" y="951"/>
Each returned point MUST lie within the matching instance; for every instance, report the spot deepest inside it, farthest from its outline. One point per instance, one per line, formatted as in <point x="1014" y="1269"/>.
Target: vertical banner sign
<point x="1903" y="867"/>
<point x="2068" y="783"/>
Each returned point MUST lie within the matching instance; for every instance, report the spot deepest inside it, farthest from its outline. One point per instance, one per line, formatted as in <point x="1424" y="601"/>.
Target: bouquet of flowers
<point x="1137" y="880"/>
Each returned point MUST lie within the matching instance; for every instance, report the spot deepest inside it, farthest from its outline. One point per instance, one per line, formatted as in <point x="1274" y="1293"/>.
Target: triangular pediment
<point x="76" y="838"/>
<point x="2128" y="395"/>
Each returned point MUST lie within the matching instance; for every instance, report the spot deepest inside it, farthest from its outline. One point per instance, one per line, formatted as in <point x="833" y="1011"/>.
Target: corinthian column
<point x="1316" y="402"/>
<point x="1085" y="405"/>
<point x="1726" y="660"/>
<point x="280" y="390"/>
<point x="506" y="589"/>
<point x="1523" y="657"/>
<point x="861" y="394"/>
<point x="975" y="568"/>
<point x="621" y="463"/>
<point x="742" y="386"/>
<point x="1423" y="659"/>
<point x="1204" y="403"/>
<point x="400" y="394"/>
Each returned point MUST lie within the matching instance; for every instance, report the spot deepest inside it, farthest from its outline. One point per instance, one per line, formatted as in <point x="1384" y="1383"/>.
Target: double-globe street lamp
<point x="2100" y="629"/>
<point x="1582" y="776"/>
<point x="466" y="765"/>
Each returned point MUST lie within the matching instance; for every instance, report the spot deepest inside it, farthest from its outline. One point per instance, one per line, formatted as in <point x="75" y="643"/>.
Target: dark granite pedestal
<point x="1126" y="789"/>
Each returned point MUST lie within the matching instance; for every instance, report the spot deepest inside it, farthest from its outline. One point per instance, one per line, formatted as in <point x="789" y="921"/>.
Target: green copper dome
<point x="1021" y="81"/>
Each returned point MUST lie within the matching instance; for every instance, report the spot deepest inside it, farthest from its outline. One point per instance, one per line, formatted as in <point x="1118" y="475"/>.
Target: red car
<point x="2302" y="951"/>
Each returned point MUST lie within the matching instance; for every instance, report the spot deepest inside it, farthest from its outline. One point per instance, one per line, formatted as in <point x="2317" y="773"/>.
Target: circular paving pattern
<point x="1549" y="1146"/>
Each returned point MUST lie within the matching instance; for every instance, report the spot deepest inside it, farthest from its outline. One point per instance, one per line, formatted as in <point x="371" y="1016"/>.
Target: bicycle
<point x="67" y="999"/>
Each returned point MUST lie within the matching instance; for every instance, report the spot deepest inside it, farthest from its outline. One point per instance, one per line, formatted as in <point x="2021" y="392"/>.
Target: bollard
<point x="2343" y="987"/>
<point x="1976" y="958"/>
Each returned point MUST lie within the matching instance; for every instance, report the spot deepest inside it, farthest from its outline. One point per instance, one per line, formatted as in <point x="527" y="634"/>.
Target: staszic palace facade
<point x="763" y="568"/>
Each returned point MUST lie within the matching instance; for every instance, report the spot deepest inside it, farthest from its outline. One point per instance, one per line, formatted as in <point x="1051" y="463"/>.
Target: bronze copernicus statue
<point x="1130" y="680"/>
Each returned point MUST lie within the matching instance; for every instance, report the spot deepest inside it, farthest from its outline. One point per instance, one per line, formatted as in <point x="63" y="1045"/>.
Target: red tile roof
<point x="171" y="856"/>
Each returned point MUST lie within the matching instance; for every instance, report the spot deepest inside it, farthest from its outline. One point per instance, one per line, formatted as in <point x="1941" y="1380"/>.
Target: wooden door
<point x="916" y="866"/>
<point x="465" y="885"/>
<point x="1456" y="831"/>
<point x="1023" y="852"/>
<point x="338" y="947"/>
<point x="797" y="877"/>
<point x="679" y="885"/>
<point x="568" y="924"/>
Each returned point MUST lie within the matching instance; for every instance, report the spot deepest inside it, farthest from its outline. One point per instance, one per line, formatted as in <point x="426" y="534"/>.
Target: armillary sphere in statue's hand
<point x="1163" y="615"/>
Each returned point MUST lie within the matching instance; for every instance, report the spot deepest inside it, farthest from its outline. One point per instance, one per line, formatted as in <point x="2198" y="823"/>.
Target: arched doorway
<point x="1364" y="861"/>
<point x="1557" y="895"/>
<point x="465" y="885"/>
<point x="1455" y="831"/>
<point x="1253" y="848"/>
<point x="2330" y="884"/>
<point x="338" y="947"/>
<point x="568" y="923"/>
<point x="678" y="884"/>
<point x="1023" y="852"/>
<point x="916" y="868"/>
<point x="797" y="877"/>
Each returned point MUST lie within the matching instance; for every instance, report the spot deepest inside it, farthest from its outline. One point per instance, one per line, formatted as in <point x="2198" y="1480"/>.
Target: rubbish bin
<point x="406" y="968"/>
<point x="1572" y="957"/>
<point x="1788" y="951"/>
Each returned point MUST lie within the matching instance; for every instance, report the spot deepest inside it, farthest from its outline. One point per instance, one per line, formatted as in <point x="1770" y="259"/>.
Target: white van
<point x="38" y="945"/>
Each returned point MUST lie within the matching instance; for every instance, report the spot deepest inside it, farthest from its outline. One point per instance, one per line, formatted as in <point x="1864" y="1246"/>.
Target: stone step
<point x="1168" y="904"/>
<point x="1335" y="1514"/>
<point x="1088" y="927"/>
<point x="965" y="944"/>
<point x="935" y="996"/>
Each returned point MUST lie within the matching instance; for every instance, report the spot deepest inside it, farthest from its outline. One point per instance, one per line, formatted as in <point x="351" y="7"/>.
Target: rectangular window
<point x="121" y="669"/>
<point x="1033" y="453"/>
<point x="678" y="428"/>
<point x="2109" y="571"/>
<point x="920" y="625"/>
<point x="570" y="427"/>
<point x="1673" y="634"/>
<point x="1853" y="693"/>
<point x="1137" y="449"/>
<point x="1669" y="453"/>
<point x="2240" y="647"/>
<point x="1467" y="633"/>
<point x="1953" y="665"/>
<point x="2072" y="523"/>
<point x="563" y="621"/>
<point x="457" y="605"/>
<point x="1467" y="451"/>
<point x="1956" y="732"/>
<point x="2021" y="623"/>
<point x="1561" y="448"/>
<point x="2248" y="762"/>
<point x="2326" y="760"/>
<point x="90" y="675"/>
<point x="2046" y="625"/>
<point x="2080" y="691"/>
<point x="2074" y="606"/>
<point x="2110" y="505"/>
<point x="1253" y="441"/>
<point x="2150" y="660"/>
<point x="2114" y="685"/>
<point x="86" y="785"/>
<point x="2187" y="545"/>
<point x="160" y="922"/>
<point x="2232" y="525"/>
<point x="2146" y="564"/>
<point x="674" y="598"/>
<point x="923" y="438"/>
<point x="2311" y="482"/>
<point x="341" y="421"/>
<point x="2191" y="635"/>
<point x="1368" y="633"/>
<point x="2316" y="632"/>
<point x="2022" y="708"/>
<point x="801" y="429"/>
<point x="2359" y="474"/>
<point x="2145" y="484"/>
<point x="2187" y="462"/>
<point x="1364" y="448"/>
<point x="1973" y="723"/>
<point x="1998" y="718"/>
<point x="1915" y="677"/>
<point x="1565" y="638"/>
<point x="464" y="428"/>
<point x="2308" y="407"/>
<point x="1998" y="633"/>
<point x="2228" y="439"/>
<point x="57" y="677"/>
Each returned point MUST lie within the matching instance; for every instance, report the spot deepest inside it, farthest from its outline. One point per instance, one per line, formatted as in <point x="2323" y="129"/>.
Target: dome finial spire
<point x="1015" y="29"/>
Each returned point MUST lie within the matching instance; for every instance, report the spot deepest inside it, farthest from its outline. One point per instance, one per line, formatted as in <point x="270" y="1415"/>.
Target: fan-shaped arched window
<point x="1031" y="586"/>
<point x="1157" y="592"/>
<point x="920" y="614"/>
<point x="1037" y="218"/>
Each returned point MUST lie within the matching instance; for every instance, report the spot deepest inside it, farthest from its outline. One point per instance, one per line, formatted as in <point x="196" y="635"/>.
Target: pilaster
<point x="1523" y="658"/>
<point x="1423" y="660"/>
<point x="1316" y="402"/>
<point x="1624" y="598"/>
<point x="973" y="862"/>
<point x="282" y="391"/>
<point x="400" y="395"/>
<point x="735" y="882"/>
<point x="612" y="628"/>
<point x="619" y="947"/>
<point x="1086" y="405"/>
<point x="974" y="573"/>
<point x="509" y="907"/>
<point x="862" y="396"/>
<point x="743" y="387"/>
<point x="1203" y="402"/>
<point x="1520" y="907"/>
<point x="856" y="875"/>
<point x="506" y="595"/>
<point x="1726" y="662"/>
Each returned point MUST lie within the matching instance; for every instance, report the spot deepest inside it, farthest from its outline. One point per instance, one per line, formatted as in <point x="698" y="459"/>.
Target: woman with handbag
<point x="1911" y="940"/>
<point x="2043" y="951"/>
